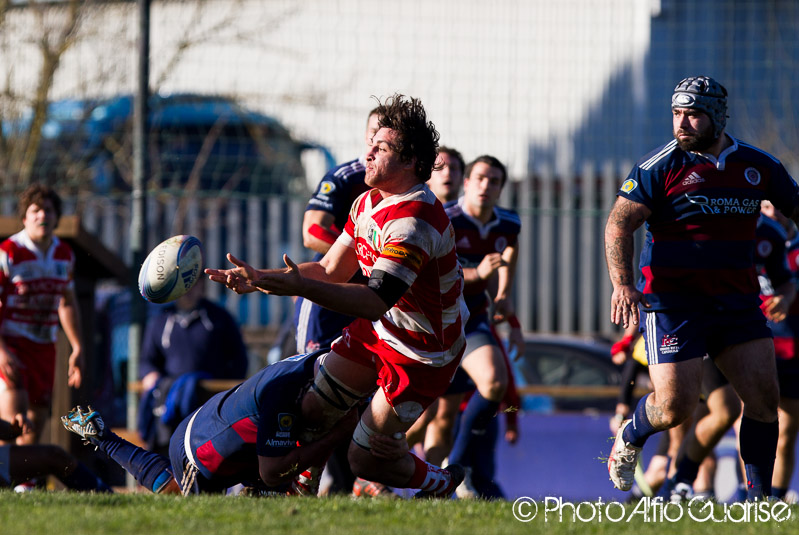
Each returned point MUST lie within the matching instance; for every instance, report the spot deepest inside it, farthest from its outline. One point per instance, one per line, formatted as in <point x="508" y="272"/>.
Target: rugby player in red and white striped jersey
<point x="36" y="292"/>
<point x="408" y="339"/>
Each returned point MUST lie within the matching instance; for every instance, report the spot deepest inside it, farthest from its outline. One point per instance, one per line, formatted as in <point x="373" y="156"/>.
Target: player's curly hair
<point x="418" y="137"/>
<point x="37" y="194"/>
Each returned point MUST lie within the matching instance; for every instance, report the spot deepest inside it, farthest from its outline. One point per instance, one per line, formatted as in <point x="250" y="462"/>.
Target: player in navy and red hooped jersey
<point x="250" y="435"/>
<point x="408" y="339"/>
<point x="486" y="240"/>
<point x="700" y="198"/>
<point x="36" y="292"/>
<point x="325" y="215"/>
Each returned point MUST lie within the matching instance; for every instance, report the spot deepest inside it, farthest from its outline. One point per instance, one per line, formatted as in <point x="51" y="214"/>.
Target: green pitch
<point x="55" y="513"/>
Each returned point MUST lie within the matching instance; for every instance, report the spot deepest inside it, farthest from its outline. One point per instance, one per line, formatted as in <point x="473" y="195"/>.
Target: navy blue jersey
<point x="338" y="190"/>
<point x="261" y="416"/>
<point x="474" y="240"/>
<point x="316" y="326"/>
<point x="699" y="248"/>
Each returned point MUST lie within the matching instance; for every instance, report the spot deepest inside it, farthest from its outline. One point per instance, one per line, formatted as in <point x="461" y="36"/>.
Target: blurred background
<point x="252" y="100"/>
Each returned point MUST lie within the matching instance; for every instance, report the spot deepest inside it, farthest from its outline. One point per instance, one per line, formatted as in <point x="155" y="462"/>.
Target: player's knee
<point x="408" y="411"/>
<point x="673" y="412"/>
<point x="494" y="388"/>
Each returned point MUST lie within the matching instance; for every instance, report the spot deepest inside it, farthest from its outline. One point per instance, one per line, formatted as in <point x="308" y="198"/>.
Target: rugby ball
<point x="171" y="269"/>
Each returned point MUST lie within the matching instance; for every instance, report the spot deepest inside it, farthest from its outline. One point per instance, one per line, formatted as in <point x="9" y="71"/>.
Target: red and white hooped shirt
<point x="410" y="237"/>
<point x="32" y="284"/>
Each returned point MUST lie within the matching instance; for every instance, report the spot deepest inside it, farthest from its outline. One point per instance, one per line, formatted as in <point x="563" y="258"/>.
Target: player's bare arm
<point x="484" y="270"/>
<point x="625" y="217"/>
<point x="316" y="232"/>
<point x="70" y="321"/>
<point x="346" y="298"/>
<point x="9" y="363"/>
<point x="503" y="308"/>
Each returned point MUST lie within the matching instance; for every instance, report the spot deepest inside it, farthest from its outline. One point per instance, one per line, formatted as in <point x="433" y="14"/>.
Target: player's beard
<point x="699" y="142"/>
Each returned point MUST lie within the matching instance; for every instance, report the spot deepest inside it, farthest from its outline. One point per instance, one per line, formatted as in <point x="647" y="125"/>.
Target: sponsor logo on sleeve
<point x="326" y="187"/>
<point x="629" y="185"/>
<point x="402" y="253"/>
<point x="285" y="421"/>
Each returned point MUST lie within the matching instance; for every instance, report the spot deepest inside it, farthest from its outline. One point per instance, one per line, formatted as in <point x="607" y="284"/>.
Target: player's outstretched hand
<point x="389" y="448"/>
<point x="237" y="279"/>
<point x="286" y="281"/>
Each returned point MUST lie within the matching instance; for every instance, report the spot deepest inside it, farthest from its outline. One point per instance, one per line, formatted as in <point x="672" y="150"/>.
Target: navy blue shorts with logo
<point x="680" y="335"/>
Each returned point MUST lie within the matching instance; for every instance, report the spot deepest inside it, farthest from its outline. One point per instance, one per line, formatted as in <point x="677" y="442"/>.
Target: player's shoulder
<point x="755" y="154"/>
<point x="351" y="170"/>
<point x="18" y="248"/>
<point x="63" y="251"/>
<point x="508" y="216"/>
<point x="453" y="208"/>
<point x="660" y="157"/>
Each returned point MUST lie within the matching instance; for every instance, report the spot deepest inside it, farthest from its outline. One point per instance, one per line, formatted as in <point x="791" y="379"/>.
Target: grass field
<point x="55" y="513"/>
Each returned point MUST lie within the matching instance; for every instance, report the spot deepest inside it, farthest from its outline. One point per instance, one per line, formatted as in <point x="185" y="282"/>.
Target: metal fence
<point x="568" y="94"/>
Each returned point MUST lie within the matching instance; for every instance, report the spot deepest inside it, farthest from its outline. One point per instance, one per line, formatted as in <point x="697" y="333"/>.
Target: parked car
<point x="561" y="373"/>
<point x="210" y="143"/>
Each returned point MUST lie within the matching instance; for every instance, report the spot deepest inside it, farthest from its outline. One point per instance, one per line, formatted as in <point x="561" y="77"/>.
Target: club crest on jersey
<point x="764" y="248"/>
<point x="326" y="187"/>
<point x="500" y="244"/>
<point x="629" y="185"/>
<point x="752" y="176"/>
<point x="285" y="421"/>
<point x="373" y="237"/>
<point x="669" y="344"/>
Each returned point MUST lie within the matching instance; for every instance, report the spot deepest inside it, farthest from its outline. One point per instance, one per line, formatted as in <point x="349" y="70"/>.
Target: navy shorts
<point x="478" y="334"/>
<point x="680" y="335"/>
<point x="788" y="376"/>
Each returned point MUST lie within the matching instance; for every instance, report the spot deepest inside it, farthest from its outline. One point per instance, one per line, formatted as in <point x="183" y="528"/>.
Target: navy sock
<point x="151" y="470"/>
<point x="686" y="471"/>
<point x="474" y="421"/>
<point x="640" y="429"/>
<point x="779" y="492"/>
<point x="83" y="479"/>
<point x="758" y="445"/>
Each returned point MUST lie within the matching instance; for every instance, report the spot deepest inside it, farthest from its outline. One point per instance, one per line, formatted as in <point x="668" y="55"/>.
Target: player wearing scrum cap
<point x="699" y="196"/>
